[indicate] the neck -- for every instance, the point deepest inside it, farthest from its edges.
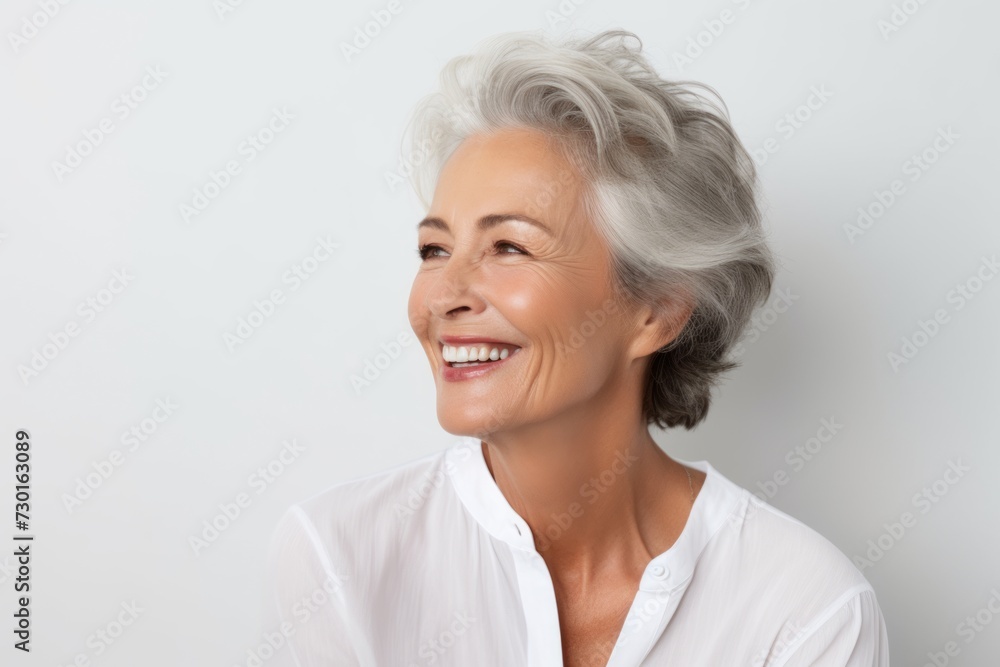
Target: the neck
(593, 486)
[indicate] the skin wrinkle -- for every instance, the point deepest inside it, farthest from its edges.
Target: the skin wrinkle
(549, 421)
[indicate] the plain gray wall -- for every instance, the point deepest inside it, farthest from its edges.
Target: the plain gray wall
(881, 93)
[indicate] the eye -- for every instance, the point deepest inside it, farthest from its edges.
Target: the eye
(430, 250)
(502, 246)
(427, 251)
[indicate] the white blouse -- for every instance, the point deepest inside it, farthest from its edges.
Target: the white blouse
(427, 564)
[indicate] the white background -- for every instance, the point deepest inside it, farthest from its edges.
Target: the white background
(324, 175)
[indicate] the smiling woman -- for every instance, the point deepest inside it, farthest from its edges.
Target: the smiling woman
(591, 253)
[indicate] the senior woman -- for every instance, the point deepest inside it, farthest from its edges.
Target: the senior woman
(591, 252)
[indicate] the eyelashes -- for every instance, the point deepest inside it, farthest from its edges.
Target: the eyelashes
(424, 251)
(427, 250)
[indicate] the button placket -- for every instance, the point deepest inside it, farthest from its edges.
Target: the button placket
(541, 614)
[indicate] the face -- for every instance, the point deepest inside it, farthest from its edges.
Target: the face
(514, 276)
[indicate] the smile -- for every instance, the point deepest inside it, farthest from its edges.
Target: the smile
(466, 358)
(458, 356)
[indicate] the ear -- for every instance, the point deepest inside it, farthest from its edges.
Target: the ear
(657, 327)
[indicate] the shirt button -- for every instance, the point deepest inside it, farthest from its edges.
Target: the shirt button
(660, 572)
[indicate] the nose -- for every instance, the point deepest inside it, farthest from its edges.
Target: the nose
(455, 290)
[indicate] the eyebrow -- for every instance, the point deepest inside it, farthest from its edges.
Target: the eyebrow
(486, 222)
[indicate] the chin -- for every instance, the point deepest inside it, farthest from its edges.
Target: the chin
(469, 420)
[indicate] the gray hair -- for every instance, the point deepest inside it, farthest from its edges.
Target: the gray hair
(669, 185)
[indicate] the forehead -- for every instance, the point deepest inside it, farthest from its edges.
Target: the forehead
(510, 168)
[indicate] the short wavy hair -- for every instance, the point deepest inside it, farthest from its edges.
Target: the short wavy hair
(668, 184)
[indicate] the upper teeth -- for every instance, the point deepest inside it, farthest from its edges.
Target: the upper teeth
(465, 353)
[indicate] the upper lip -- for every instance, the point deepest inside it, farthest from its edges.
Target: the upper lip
(469, 340)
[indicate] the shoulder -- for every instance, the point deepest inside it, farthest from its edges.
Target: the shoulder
(800, 554)
(365, 517)
(387, 495)
(815, 599)
(765, 547)
(352, 529)
(327, 554)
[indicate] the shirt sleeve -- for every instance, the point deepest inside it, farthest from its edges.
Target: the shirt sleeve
(310, 613)
(850, 633)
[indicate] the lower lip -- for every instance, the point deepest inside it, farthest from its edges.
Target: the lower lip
(452, 374)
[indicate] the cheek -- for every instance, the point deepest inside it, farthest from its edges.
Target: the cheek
(548, 309)
(536, 304)
(416, 308)
(566, 322)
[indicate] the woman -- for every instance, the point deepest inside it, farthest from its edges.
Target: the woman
(591, 253)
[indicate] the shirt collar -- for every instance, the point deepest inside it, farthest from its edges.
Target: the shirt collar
(715, 504)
